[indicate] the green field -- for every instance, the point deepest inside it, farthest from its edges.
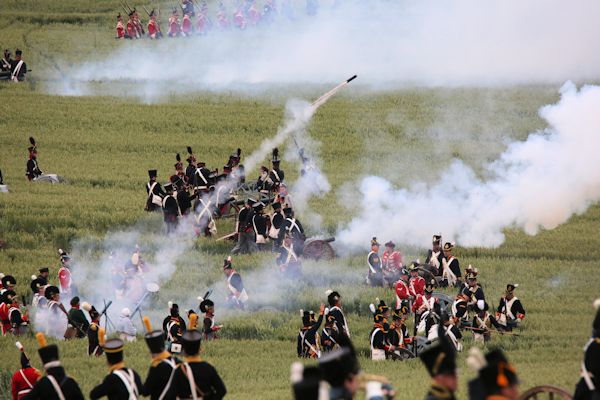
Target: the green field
(104, 145)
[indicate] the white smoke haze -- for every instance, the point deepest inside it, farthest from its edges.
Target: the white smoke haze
(387, 43)
(535, 184)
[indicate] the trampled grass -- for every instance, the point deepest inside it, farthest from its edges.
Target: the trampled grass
(103, 145)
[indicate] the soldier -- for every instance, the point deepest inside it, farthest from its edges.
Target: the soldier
(174, 329)
(186, 25)
(398, 335)
(155, 192)
(263, 182)
(94, 348)
(162, 369)
(496, 377)
(125, 326)
(330, 334)
(33, 169)
(170, 209)
(131, 28)
(460, 308)
(201, 178)
(276, 175)
(18, 67)
(335, 309)
(375, 275)
(6, 61)
(277, 220)
(154, 29)
(121, 382)
(428, 311)
(209, 328)
(246, 240)
(450, 267)
(588, 387)
(174, 29)
(5, 303)
(391, 261)
(260, 224)
(416, 282)
(202, 23)
(179, 172)
(440, 361)
(120, 28)
(44, 272)
(292, 230)
(435, 255)
(138, 24)
(477, 298)
(237, 293)
(308, 343)
(195, 378)
(56, 323)
(23, 380)
(222, 18)
(8, 283)
(188, 7)
(380, 345)
(37, 288)
(482, 325)
(56, 384)
(64, 273)
(402, 289)
(190, 170)
(452, 332)
(77, 317)
(510, 311)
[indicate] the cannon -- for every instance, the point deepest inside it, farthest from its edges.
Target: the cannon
(318, 249)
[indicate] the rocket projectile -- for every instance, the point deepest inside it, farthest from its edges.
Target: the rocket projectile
(351, 79)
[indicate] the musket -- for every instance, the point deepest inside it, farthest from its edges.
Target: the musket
(125, 6)
(75, 325)
(145, 9)
(479, 330)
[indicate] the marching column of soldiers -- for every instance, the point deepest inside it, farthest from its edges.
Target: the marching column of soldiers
(195, 18)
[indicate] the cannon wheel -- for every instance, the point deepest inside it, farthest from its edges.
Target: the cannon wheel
(318, 250)
(546, 392)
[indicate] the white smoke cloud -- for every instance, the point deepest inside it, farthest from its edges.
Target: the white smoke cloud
(535, 184)
(387, 43)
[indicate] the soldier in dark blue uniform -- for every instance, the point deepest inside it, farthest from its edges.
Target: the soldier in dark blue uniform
(375, 276)
(440, 361)
(121, 382)
(155, 192)
(435, 255)
(162, 369)
(308, 343)
(196, 375)
(276, 175)
(335, 309)
(170, 209)
(56, 384)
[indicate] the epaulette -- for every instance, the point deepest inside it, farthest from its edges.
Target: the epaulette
(93, 326)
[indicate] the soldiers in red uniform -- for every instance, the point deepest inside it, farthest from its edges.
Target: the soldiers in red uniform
(139, 29)
(64, 273)
(186, 25)
(120, 28)
(416, 283)
(174, 28)
(238, 19)
(25, 378)
(202, 23)
(5, 306)
(391, 261)
(153, 27)
(131, 29)
(402, 290)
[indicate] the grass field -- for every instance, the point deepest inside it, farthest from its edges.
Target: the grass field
(103, 145)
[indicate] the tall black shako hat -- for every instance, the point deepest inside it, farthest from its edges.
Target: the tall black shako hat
(36, 284)
(338, 365)
(332, 297)
(498, 373)
(48, 353)
(191, 342)
(596, 323)
(51, 291)
(33, 148)
(227, 263)
(8, 280)
(205, 302)
(275, 160)
(307, 388)
(440, 359)
(155, 340)
(308, 317)
(113, 348)
(436, 239)
(152, 173)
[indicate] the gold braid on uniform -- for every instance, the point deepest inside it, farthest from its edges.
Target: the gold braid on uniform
(117, 366)
(159, 357)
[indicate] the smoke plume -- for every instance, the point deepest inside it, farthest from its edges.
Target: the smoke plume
(535, 184)
(388, 43)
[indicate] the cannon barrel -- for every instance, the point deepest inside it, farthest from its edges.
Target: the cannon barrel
(329, 240)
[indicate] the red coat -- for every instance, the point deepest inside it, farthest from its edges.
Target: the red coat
(186, 25)
(391, 261)
(131, 30)
(120, 30)
(152, 29)
(64, 278)
(402, 292)
(417, 286)
(4, 318)
(173, 26)
(23, 381)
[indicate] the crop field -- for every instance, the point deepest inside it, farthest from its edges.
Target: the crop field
(103, 145)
